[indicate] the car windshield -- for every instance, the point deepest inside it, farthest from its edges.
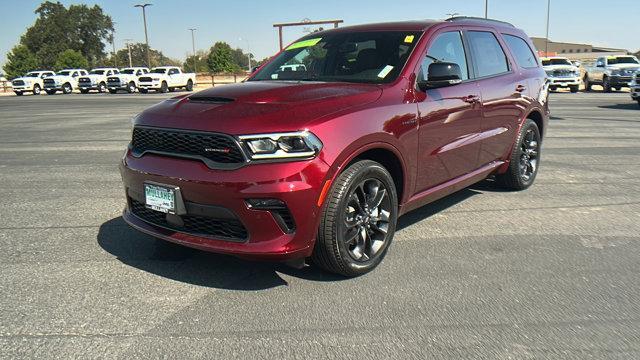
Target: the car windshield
(159, 71)
(549, 62)
(623, 60)
(360, 57)
(97, 72)
(127, 71)
(64, 73)
(32, 74)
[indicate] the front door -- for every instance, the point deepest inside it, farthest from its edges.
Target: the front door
(450, 117)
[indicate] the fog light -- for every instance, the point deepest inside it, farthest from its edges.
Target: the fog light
(265, 204)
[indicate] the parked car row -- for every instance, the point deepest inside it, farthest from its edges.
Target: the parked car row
(161, 79)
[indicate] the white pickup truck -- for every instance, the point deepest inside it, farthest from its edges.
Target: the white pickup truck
(31, 82)
(127, 79)
(65, 80)
(166, 78)
(612, 72)
(96, 80)
(561, 73)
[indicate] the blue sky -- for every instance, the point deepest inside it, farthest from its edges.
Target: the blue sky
(583, 21)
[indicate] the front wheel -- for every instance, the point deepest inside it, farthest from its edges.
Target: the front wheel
(606, 85)
(189, 86)
(587, 84)
(36, 89)
(102, 87)
(67, 89)
(525, 159)
(164, 88)
(131, 88)
(358, 220)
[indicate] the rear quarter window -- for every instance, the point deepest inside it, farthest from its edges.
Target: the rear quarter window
(521, 51)
(488, 57)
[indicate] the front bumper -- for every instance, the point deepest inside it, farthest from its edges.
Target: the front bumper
(620, 80)
(297, 184)
(564, 81)
(53, 87)
(152, 85)
(21, 88)
(88, 86)
(116, 86)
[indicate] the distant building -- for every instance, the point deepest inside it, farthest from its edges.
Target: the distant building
(573, 50)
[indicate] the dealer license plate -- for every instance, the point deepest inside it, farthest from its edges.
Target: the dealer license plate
(160, 198)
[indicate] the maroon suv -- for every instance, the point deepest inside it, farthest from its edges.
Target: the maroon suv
(320, 150)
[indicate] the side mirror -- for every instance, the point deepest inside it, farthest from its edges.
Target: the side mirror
(441, 74)
(600, 64)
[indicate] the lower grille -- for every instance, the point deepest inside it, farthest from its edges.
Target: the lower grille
(231, 229)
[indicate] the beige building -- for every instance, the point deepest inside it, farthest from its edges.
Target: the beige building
(573, 50)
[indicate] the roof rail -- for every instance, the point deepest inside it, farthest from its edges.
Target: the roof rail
(472, 18)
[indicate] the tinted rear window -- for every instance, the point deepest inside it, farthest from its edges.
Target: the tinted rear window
(521, 51)
(488, 56)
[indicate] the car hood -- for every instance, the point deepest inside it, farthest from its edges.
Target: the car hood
(258, 107)
(560, 67)
(58, 77)
(625, 66)
(93, 77)
(26, 79)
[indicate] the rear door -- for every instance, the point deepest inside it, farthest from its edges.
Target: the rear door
(502, 88)
(449, 117)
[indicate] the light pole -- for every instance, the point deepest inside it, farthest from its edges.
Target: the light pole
(248, 52)
(486, 9)
(546, 40)
(146, 38)
(113, 45)
(129, 50)
(193, 46)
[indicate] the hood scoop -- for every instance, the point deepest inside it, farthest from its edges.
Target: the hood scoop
(210, 99)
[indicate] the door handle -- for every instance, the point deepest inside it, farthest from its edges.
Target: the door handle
(471, 99)
(521, 88)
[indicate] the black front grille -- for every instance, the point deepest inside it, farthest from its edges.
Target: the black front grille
(144, 79)
(562, 73)
(49, 81)
(84, 80)
(113, 80)
(217, 148)
(18, 83)
(196, 225)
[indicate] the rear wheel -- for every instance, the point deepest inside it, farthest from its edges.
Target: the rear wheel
(587, 84)
(189, 86)
(144, 90)
(525, 159)
(102, 87)
(67, 89)
(131, 88)
(164, 88)
(606, 85)
(358, 220)
(36, 89)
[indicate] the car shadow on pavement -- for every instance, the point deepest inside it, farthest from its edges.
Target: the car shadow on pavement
(435, 207)
(196, 267)
(626, 106)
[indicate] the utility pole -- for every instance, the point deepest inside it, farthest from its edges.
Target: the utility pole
(113, 45)
(546, 39)
(486, 9)
(146, 38)
(129, 50)
(193, 46)
(248, 52)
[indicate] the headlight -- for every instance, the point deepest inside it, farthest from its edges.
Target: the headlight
(301, 144)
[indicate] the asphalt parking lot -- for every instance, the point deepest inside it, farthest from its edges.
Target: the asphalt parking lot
(551, 272)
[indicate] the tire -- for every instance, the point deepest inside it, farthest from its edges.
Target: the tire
(344, 216)
(131, 88)
(587, 84)
(606, 85)
(102, 87)
(67, 89)
(83, 91)
(189, 86)
(18, 93)
(113, 91)
(36, 89)
(525, 159)
(164, 88)
(574, 89)
(143, 90)
(172, 89)
(638, 102)
(51, 92)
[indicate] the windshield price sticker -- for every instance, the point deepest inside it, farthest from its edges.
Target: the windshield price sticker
(304, 43)
(383, 74)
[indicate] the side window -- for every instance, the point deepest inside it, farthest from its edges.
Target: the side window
(521, 51)
(138, 73)
(116, 72)
(447, 47)
(75, 74)
(488, 56)
(173, 71)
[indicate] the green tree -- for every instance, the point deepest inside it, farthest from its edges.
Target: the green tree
(80, 27)
(20, 61)
(200, 60)
(139, 57)
(71, 59)
(241, 58)
(220, 59)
